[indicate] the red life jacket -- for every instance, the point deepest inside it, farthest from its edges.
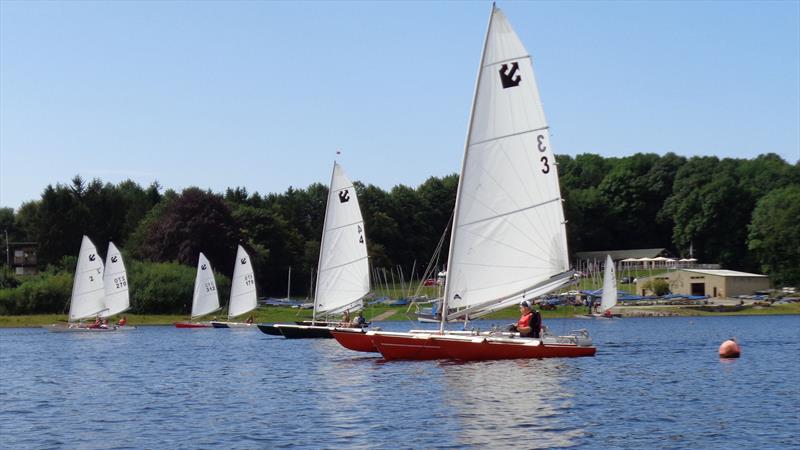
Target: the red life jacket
(525, 321)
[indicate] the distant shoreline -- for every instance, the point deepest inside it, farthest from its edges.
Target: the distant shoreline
(281, 314)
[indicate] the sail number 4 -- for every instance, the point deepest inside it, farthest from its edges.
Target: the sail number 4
(360, 235)
(545, 165)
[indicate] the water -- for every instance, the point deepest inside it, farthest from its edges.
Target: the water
(655, 383)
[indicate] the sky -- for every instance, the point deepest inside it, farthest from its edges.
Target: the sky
(263, 94)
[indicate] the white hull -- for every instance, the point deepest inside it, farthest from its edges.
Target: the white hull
(59, 328)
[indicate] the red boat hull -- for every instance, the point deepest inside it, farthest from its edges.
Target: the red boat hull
(408, 346)
(192, 325)
(487, 349)
(357, 341)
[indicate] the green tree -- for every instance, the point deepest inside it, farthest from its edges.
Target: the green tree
(774, 234)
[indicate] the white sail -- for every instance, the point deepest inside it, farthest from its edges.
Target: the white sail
(343, 274)
(509, 239)
(115, 283)
(243, 286)
(609, 298)
(87, 288)
(205, 299)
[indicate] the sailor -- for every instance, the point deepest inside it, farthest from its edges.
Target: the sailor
(529, 323)
(249, 319)
(346, 319)
(360, 320)
(123, 321)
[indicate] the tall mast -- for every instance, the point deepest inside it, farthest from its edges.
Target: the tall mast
(460, 179)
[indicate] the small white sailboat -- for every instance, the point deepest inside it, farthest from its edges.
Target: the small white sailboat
(88, 293)
(243, 293)
(343, 274)
(115, 285)
(608, 298)
(205, 299)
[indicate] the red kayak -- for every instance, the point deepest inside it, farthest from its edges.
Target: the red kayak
(485, 348)
(193, 325)
(354, 339)
(413, 346)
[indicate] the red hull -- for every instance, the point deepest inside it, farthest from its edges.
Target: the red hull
(355, 340)
(408, 346)
(192, 325)
(484, 350)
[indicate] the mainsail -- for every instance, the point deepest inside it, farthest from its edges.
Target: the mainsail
(115, 283)
(205, 299)
(509, 239)
(243, 286)
(609, 298)
(343, 275)
(87, 288)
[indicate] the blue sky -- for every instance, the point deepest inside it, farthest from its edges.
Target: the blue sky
(261, 94)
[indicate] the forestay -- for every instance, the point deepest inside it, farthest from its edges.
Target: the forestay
(609, 298)
(343, 275)
(115, 283)
(205, 299)
(509, 238)
(243, 286)
(87, 288)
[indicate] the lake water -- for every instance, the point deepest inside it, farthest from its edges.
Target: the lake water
(655, 383)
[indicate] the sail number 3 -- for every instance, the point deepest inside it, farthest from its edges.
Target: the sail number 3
(545, 165)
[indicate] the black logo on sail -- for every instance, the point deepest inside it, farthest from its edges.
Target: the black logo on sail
(91, 257)
(203, 267)
(344, 196)
(507, 76)
(243, 260)
(114, 259)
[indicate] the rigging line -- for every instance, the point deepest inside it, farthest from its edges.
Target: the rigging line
(344, 226)
(507, 61)
(343, 264)
(519, 133)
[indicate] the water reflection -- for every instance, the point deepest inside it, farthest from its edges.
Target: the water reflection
(511, 403)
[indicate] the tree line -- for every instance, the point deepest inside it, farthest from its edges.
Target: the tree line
(740, 213)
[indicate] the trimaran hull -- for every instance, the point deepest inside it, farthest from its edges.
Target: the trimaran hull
(353, 339)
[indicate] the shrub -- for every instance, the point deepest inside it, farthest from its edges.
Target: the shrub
(658, 287)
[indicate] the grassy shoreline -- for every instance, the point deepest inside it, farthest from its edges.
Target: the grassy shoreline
(282, 314)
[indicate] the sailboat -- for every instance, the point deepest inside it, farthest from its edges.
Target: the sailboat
(608, 298)
(115, 285)
(343, 269)
(243, 292)
(509, 237)
(88, 294)
(205, 299)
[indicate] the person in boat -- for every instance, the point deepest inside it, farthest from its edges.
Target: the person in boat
(529, 323)
(360, 320)
(346, 319)
(123, 321)
(104, 324)
(249, 319)
(96, 323)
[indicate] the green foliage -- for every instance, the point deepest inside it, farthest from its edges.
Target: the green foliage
(774, 234)
(42, 294)
(643, 200)
(7, 278)
(657, 286)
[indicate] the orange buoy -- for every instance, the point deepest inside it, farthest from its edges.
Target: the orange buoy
(729, 349)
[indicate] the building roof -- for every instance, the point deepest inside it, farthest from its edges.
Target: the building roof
(617, 255)
(725, 273)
